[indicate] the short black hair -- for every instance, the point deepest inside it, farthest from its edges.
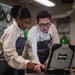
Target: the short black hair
(43, 14)
(14, 10)
(24, 13)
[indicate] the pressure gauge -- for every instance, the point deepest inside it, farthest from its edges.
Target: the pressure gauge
(2, 15)
(8, 17)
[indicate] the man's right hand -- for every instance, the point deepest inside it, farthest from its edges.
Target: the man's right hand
(30, 66)
(38, 68)
(35, 67)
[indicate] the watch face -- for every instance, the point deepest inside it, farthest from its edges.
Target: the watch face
(2, 15)
(8, 17)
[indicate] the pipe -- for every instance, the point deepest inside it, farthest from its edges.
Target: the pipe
(66, 13)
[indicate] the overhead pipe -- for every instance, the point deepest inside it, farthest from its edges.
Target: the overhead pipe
(66, 14)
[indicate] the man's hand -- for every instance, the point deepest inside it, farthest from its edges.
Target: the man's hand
(35, 67)
(38, 67)
(46, 63)
(30, 66)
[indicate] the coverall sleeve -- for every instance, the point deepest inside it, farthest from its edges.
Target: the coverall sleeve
(10, 54)
(32, 42)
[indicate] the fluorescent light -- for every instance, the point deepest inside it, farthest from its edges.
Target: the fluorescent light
(45, 3)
